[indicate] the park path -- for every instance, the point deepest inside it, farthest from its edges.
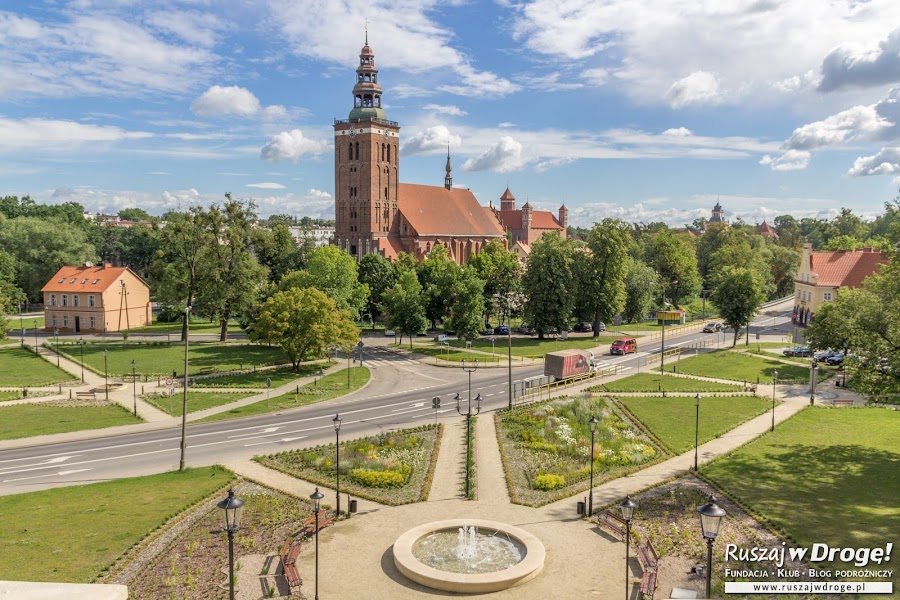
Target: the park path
(449, 472)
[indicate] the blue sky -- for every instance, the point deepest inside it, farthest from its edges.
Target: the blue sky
(640, 109)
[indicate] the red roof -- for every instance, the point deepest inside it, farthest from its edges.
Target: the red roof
(95, 278)
(766, 230)
(540, 219)
(433, 210)
(844, 268)
(391, 246)
(507, 195)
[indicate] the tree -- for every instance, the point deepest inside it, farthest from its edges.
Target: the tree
(788, 230)
(739, 253)
(230, 277)
(135, 214)
(548, 284)
(467, 305)
(602, 288)
(336, 273)
(501, 272)
(842, 242)
(304, 323)
(783, 262)
(674, 259)
(278, 251)
(404, 306)
(716, 236)
(641, 284)
(10, 296)
(138, 247)
(737, 294)
(376, 272)
(406, 262)
(438, 275)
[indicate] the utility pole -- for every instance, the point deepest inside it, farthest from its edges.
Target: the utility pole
(187, 312)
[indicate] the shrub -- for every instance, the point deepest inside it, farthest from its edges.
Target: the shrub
(548, 482)
(377, 479)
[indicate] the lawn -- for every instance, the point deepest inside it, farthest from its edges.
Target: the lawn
(831, 476)
(326, 388)
(728, 364)
(392, 468)
(72, 534)
(160, 358)
(27, 420)
(5, 396)
(196, 326)
(257, 379)
(453, 355)
(546, 448)
(536, 347)
(28, 322)
(196, 401)
(672, 419)
(23, 368)
(657, 382)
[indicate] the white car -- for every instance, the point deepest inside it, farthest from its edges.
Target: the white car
(390, 333)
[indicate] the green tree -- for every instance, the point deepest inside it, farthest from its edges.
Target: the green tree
(304, 322)
(737, 294)
(783, 262)
(406, 262)
(788, 230)
(716, 236)
(602, 288)
(135, 214)
(336, 273)
(548, 284)
(278, 251)
(641, 284)
(739, 253)
(674, 259)
(502, 275)
(138, 247)
(404, 306)
(376, 272)
(439, 274)
(842, 242)
(467, 305)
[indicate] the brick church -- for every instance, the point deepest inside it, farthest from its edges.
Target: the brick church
(375, 213)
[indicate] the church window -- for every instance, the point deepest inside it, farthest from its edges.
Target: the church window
(357, 150)
(374, 77)
(359, 77)
(389, 152)
(368, 77)
(378, 101)
(382, 152)
(385, 193)
(357, 102)
(350, 152)
(353, 249)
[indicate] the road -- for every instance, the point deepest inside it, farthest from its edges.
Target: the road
(404, 400)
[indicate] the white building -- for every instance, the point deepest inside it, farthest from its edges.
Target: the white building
(320, 235)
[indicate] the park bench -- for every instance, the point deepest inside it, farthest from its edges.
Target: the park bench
(648, 556)
(91, 395)
(612, 522)
(289, 554)
(648, 583)
(842, 403)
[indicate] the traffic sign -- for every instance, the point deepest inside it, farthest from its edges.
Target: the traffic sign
(170, 382)
(360, 344)
(435, 403)
(268, 382)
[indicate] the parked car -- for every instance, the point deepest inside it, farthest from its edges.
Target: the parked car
(823, 355)
(712, 327)
(835, 359)
(583, 326)
(389, 333)
(601, 326)
(501, 330)
(797, 351)
(623, 346)
(525, 328)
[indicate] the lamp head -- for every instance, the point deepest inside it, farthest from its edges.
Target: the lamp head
(593, 424)
(775, 374)
(697, 400)
(316, 497)
(337, 422)
(231, 507)
(711, 516)
(627, 507)
(478, 402)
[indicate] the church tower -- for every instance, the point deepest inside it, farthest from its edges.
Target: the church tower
(366, 166)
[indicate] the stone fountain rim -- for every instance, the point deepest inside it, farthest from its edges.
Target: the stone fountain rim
(414, 569)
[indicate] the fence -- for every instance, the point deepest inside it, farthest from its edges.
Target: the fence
(527, 391)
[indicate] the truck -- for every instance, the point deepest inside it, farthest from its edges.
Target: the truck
(565, 364)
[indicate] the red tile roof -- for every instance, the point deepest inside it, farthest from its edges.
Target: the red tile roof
(95, 278)
(507, 195)
(433, 210)
(845, 268)
(391, 246)
(540, 219)
(766, 230)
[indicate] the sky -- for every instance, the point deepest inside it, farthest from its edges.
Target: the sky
(645, 110)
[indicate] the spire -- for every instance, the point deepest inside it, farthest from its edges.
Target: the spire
(507, 200)
(448, 178)
(367, 92)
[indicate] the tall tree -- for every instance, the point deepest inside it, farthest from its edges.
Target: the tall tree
(641, 284)
(278, 251)
(376, 272)
(336, 273)
(502, 275)
(608, 243)
(439, 274)
(716, 236)
(737, 293)
(739, 253)
(135, 214)
(788, 231)
(674, 259)
(304, 322)
(548, 284)
(467, 305)
(404, 306)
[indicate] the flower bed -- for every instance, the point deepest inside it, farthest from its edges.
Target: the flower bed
(546, 448)
(392, 468)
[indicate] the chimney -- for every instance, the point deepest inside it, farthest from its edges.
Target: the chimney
(106, 264)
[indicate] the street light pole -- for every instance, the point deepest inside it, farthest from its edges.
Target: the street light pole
(187, 335)
(316, 497)
(627, 507)
(337, 459)
(36, 349)
(56, 333)
(593, 425)
(134, 383)
(469, 414)
(662, 354)
(232, 509)
(696, 429)
(812, 380)
(509, 351)
(710, 520)
(81, 344)
(774, 382)
(105, 375)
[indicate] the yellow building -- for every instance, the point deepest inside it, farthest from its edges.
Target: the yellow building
(821, 274)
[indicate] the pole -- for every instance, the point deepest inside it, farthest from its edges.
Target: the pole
(81, 343)
(627, 543)
(348, 370)
(337, 470)
(509, 353)
(231, 564)
(774, 380)
(105, 375)
(709, 543)
(56, 333)
(696, 430)
(35, 337)
(22, 327)
(591, 493)
(468, 440)
(317, 553)
(187, 312)
(812, 380)
(134, 383)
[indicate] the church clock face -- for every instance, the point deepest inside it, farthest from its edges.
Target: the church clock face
(386, 134)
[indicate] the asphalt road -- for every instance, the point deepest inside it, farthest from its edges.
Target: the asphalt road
(403, 399)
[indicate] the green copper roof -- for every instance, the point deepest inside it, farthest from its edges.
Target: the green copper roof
(363, 113)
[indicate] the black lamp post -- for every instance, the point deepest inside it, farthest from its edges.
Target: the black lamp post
(316, 497)
(81, 345)
(627, 507)
(711, 516)
(36, 349)
(105, 374)
(337, 459)
(469, 414)
(231, 507)
(56, 334)
(662, 355)
(509, 350)
(187, 335)
(696, 429)
(774, 382)
(593, 425)
(812, 380)
(134, 383)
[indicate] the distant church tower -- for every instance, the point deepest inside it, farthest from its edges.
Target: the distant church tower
(366, 166)
(718, 215)
(448, 178)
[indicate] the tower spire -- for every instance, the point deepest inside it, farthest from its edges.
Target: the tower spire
(367, 92)
(448, 178)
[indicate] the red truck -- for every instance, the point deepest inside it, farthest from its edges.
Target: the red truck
(564, 364)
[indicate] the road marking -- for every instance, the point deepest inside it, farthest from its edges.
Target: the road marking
(284, 440)
(59, 459)
(61, 473)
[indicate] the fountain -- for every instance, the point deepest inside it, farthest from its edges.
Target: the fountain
(468, 555)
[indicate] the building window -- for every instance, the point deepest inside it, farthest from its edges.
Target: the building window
(53, 321)
(74, 299)
(357, 150)
(73, 280)
(95, 282)
(65, 299)
(84, 281)
(52, 299)
(92, 322)
(350, 154)
(91, 301)
(65, 320)
(827, 296)
(62, 280)
(389, 152)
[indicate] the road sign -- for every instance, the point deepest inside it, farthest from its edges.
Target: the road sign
(360, 344)
(435, 403)
(170, 382)
(268, 382)
(442, 337)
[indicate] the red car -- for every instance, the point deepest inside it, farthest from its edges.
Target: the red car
(623, 346)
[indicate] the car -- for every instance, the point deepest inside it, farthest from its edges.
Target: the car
(601, 326)
(390, 333)
(835, 359)
(488, 329)
(712, 327)
(583, 326)
(797, 351)
(501, 330)
(823, 355)
(623, 346)
(525, 328)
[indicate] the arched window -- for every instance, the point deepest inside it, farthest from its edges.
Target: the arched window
(385, 192)
(357, 102)
(382, 152)
(350, 151)
(389, 153)
(378, 101)
(357, 150)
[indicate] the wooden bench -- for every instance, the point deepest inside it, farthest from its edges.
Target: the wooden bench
(647, 556)
(842, 402)
(91, 395)
(310, 529)
(612, 522)
(289, 554)
(648, 583)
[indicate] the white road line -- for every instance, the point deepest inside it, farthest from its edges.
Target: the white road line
(283, 440)
(61, 473)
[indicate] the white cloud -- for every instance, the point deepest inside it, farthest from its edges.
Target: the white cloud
(202, 29)
(700, 87)
(596, 76)
(862, 66)
(219, 101)
(56, 135)
(502, 157)
(790, 160)
(268, 185)
(290, 145)
(552, 163)
(678, 132)
(274, 112)
(446, 109)
(431, 139)
(885, 162)
(506, 124)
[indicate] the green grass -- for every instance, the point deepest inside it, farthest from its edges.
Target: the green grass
(21, 367)
(672, 420)
(5, 396)
(452, 355)
(830, 476)
(326, 388)
(27, 321)
(534, 346)
(196, 401)
(726, 364)
(258, 379)
(162, 358)
(653, 382)
(72, 534)
(196, 326)
(27, 420)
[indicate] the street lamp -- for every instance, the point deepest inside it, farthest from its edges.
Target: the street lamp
(105, 375)
(36, 349)
(593, 425)
(231, 508)
(134, 383)
(316, 497)
(56, 333)
(509, 350)
(711, 516)
(469, 414)
(187, 335)
(337, 458)
(696, 429)
(81, 344)
(812, 379)
(774, 382)
(470, 369)
(627, 507)
(662, 355)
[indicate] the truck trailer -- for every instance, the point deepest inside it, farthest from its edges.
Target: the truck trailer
(565, 364)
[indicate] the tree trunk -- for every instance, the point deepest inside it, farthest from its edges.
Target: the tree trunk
(223, 325)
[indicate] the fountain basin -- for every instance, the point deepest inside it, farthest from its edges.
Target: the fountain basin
(529, 566)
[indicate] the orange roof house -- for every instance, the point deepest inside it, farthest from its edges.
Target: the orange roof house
(95, 298)
(526, 224)
(766, 230)
(822, 274)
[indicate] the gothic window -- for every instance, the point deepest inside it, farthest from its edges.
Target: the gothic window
(385, 193)
(359, 77)
(389, 152)
(357, 150)
(368, 77)
(350, 151)
(374, 77)
(382, 152)
(353, 249)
